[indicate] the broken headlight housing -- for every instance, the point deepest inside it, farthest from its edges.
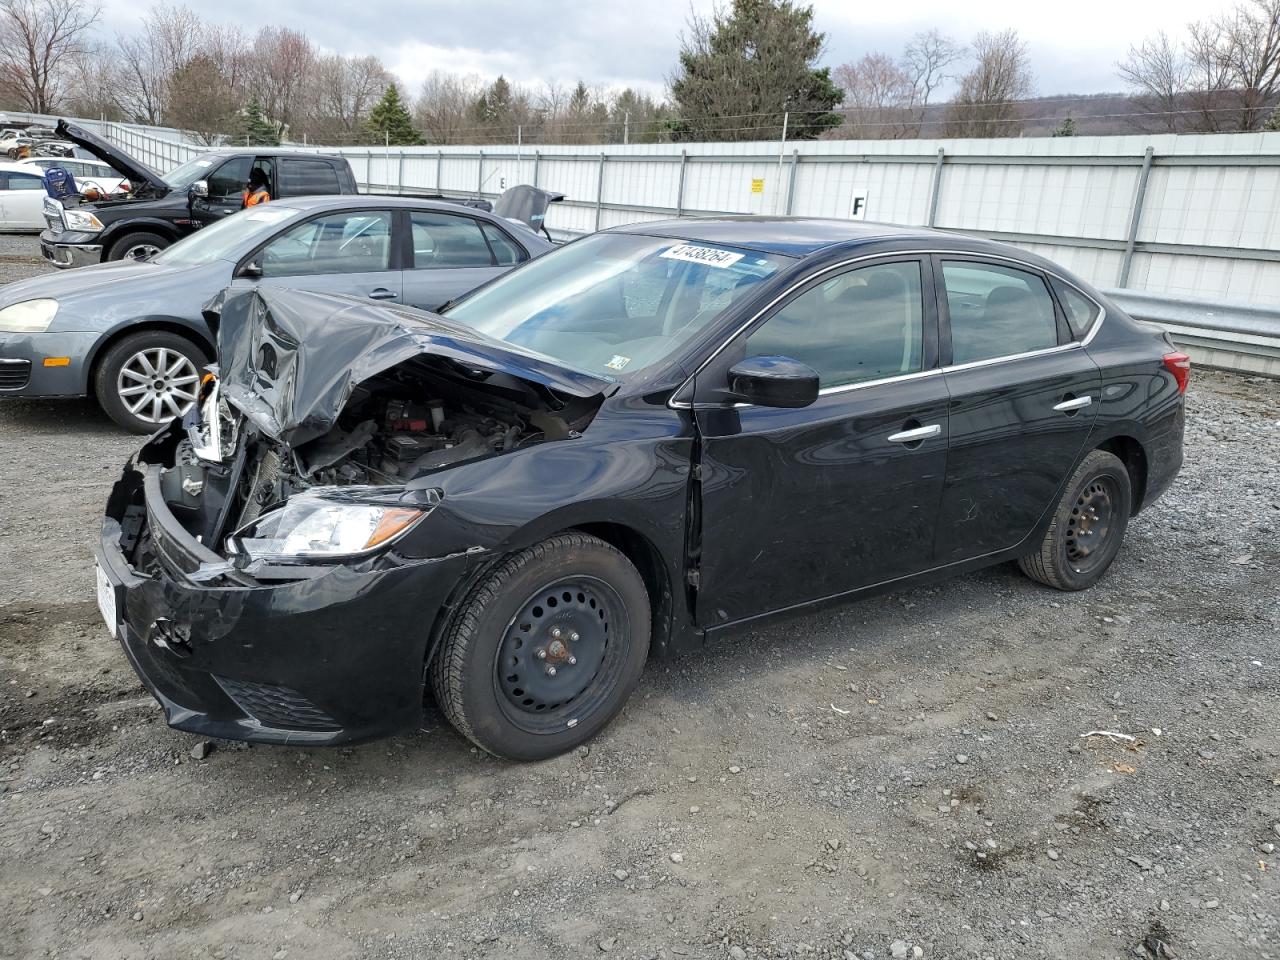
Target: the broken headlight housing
(325, 525)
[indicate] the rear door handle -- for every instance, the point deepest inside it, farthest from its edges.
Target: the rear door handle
(1076, 403)
(917, 434)
(381, 293)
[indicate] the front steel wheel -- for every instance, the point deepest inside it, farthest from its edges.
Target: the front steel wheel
(545, 649)
(1088, 526)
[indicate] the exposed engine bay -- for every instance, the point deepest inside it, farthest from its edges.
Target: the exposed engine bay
(404, 424)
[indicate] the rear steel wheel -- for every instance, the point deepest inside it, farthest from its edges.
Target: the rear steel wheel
(1088, 526)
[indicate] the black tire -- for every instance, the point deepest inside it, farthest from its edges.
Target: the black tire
(108, 378)
(1088, 526)
(513, 613)
(132, 244)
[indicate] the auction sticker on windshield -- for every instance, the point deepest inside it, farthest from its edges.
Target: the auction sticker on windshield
(707, 256)
(106, 599)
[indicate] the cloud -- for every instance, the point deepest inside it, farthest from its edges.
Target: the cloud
(613, 45)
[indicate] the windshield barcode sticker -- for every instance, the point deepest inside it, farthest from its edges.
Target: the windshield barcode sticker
(707, 256)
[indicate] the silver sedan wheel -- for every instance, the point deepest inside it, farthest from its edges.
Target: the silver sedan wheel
(157, 384)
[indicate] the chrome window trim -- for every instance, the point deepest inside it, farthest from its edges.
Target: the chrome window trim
(991, 361)
(687, 405)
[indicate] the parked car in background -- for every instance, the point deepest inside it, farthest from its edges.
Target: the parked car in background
(22, 197)
(89, 175)
(638, 442)
(132, 333)
(163, 209)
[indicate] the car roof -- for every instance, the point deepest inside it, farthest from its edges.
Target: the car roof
(344, 200)
(14, 166)
(789, 236)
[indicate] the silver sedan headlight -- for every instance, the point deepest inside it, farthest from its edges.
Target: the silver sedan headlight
(29, 316)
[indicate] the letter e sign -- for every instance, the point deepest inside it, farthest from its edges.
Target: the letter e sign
(858, 205)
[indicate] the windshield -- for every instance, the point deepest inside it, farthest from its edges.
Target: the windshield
(223, 240)
(188, 173)
(614, 303)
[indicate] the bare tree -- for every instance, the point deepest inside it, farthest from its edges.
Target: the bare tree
(343, 91)
(443, 108)
(987, 103)
(281, 68)
(879, 97)
(1249, 50)
(1159, 73)
(39, 40)
(927, 59)
(170, 37)
(95, 79)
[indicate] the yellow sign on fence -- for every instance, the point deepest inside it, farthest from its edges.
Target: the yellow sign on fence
(757, 186)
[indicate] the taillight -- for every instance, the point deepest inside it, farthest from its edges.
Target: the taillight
(1179, 364)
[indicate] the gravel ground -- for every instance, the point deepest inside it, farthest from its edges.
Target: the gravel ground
(900, 777)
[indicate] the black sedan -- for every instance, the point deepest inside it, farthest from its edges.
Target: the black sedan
(629, 446)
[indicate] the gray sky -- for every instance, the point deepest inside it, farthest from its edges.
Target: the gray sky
(1073, 46)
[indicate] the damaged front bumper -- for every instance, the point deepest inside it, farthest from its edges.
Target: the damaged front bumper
(333, 655)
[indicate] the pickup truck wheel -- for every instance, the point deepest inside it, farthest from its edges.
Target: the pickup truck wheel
(1088, 526)
(544, 651)
(137, 246)
(148, 378)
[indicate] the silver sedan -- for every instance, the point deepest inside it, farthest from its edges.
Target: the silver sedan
(131, 333)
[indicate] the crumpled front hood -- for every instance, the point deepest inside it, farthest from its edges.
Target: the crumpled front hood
(290, 359)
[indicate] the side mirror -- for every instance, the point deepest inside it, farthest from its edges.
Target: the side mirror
(252, 270)
(198, 190)
(773, 382)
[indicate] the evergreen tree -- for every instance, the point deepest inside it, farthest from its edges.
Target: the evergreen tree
(389, 121)
(255, 129)
(744, 67)
(1273, 122)
(1065, 129)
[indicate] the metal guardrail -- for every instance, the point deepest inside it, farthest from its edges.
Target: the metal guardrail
(1225, 336)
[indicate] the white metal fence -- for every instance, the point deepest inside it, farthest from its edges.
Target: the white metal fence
(1184, 216)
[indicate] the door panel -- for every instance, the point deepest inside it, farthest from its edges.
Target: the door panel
(431, 289)
(803, 504)
(1018, 422)
(348, 252)
(448, 256)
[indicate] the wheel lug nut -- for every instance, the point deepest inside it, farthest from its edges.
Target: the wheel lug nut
(573, 637)
(572, 660)
(551, 671)
(540, 654)
(555, 633)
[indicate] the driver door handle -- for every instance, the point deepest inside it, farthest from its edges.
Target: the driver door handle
(381, 293)
(1075, 403)
(919, 433)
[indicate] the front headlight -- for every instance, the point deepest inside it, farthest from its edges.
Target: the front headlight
(29, 316)
(81, 220)
(324, 526)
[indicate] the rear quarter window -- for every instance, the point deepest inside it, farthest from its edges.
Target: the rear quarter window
(1082, 313)
(301, 178)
